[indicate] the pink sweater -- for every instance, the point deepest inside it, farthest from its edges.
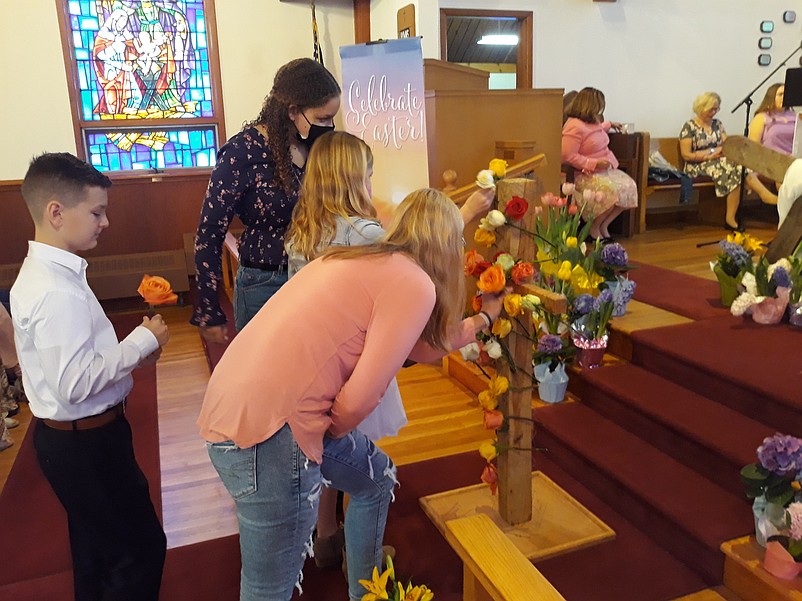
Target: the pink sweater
(584, 144)
(321, 352)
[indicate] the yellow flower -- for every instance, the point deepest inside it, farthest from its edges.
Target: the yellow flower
(498, 167)
(377, 586)
(418, 593)
(571, 242)
(487, 400)
(547, 265)
(501, 327)
(498, 385)
(484, 237)
(564, 273)
(512, 304)
(584, 284)
(487, 450)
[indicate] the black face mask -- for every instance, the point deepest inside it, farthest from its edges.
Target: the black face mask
(315, 131)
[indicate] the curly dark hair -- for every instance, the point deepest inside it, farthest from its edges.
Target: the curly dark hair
(306, 84)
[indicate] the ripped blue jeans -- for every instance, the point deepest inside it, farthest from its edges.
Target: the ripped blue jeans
(276, 490)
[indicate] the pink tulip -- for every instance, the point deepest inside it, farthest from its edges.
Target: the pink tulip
(572, 210)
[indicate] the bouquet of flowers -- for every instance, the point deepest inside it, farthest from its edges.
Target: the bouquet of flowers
(784, 551)
(767, 288)
(732, 262)
(377, 587)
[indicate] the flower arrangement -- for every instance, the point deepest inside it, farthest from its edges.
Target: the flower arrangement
(733, 260)
(767, 288)
(784, 550)
(377, 587)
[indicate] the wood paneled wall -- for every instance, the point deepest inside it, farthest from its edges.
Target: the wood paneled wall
(147, 213)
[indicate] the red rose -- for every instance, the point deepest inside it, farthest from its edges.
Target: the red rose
(493, 419)
(522, 272)
(516, 208)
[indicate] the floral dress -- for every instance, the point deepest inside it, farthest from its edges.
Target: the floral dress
(725, 174)
(242, 185)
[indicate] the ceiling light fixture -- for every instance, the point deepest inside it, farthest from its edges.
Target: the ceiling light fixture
(498, 40)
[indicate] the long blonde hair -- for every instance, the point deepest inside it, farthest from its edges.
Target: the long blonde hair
(334, 185)
(427, 227)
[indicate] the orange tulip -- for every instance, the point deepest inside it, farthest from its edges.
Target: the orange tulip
(157, 291)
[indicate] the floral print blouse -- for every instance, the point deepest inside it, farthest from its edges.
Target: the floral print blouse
(241, 185)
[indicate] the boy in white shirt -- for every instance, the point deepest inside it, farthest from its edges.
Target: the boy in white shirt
(77, 375)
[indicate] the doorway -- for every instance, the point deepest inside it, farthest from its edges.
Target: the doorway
(496, 41)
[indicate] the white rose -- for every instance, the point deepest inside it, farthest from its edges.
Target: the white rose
(506, 261)
(496, 218)
(493, 348)
(486, 179)
(470, 352)
(530, 301)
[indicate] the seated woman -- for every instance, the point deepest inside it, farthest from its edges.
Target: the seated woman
(773, 126)
(585, 146)
(700, 142)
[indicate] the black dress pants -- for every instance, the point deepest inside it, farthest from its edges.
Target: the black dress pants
(118, 545)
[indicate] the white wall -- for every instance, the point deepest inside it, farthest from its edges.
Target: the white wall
(651, 58)
(255, 38)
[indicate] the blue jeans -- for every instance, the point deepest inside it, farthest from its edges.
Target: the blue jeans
(276, 490)
(252, 289)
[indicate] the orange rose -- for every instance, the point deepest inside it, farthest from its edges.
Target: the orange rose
(475, 264)
(492, 279)
(494, 419)
(490, 477)
(476, 303)
(522, 272)
(156, 291)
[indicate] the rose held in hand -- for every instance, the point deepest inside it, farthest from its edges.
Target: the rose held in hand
(156, 291)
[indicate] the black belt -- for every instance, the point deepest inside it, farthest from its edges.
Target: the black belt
(90, 422)
(262, 266)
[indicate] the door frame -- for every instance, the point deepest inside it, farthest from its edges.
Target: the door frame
(523, 62)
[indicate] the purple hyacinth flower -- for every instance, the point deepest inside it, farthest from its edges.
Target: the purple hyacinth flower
(583, 304)
(736, 253)
(605, 296)
(549, 344)
(615, 255)
(780, 278)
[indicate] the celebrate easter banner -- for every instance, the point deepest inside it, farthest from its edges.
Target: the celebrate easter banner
(383, 103)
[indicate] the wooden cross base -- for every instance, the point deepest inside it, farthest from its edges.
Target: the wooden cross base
(559, 523)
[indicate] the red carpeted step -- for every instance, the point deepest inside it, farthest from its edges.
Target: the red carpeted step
(676, 506)
(703, 434)
(752, 368)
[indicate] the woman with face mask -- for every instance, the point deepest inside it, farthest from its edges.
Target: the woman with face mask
(257, 178)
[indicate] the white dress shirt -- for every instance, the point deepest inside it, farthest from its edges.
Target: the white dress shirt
(73, 366)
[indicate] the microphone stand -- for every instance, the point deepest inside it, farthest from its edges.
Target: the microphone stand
(748, 102)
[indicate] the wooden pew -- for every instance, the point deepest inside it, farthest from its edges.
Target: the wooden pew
(493, 567)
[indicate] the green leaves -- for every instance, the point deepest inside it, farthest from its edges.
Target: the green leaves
(759, 481)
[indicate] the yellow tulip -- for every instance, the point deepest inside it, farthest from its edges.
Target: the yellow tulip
(564, 273)
(501, 327)
(547, 265)
(571, 242)
(512, 305)
(488, 400)
(498, 385)
(488, 451)
(584, 283)
(484, 237)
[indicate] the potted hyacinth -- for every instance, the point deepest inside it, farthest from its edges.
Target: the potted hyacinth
(773, 482)
(551, 353)
(590, 318)
(734, 259)
(613, 265)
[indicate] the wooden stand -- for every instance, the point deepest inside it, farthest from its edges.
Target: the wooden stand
(560, 523)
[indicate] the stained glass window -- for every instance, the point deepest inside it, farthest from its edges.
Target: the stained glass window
(143, 60)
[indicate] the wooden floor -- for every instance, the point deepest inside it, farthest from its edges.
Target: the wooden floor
(443, 416)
